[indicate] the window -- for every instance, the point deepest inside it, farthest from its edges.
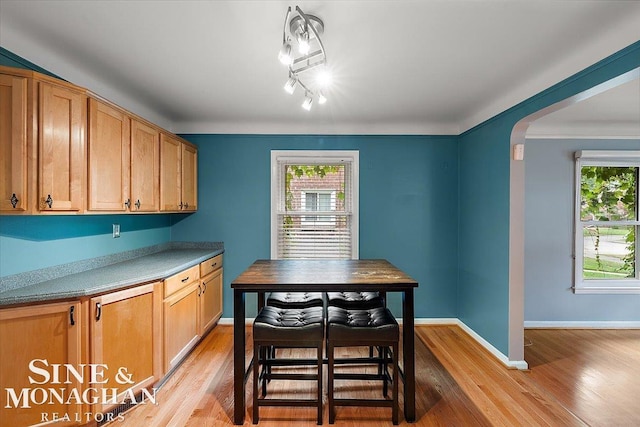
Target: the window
(607, 222)
(314, 204)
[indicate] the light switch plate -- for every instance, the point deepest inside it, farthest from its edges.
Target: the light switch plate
(116, 231)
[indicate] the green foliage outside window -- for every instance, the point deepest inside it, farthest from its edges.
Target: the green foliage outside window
(609, 194)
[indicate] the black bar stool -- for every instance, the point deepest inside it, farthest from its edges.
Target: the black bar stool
(286, 328)
(370, 327)
(355, 300)
(358, 301)
(295, 299)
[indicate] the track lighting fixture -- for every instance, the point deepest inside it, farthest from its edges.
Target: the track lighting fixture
(304, 32)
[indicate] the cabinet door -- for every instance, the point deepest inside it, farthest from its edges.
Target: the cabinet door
(13, 143)
(189, 178)
(125, 335)
(61, 132)
(52, 334)
(210, 300)
(170, 173)
(145, 167)
(181, 313)
(109, 145)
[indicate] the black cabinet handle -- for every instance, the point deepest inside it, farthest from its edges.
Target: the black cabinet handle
(185, 279)
(138, 204)
(49, 201)
(128, 203)
(72, 309)
(204, 287)
(14, 200)
(200, 291)
(98, 311)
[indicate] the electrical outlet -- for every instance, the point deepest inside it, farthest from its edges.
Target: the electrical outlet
(116, 231)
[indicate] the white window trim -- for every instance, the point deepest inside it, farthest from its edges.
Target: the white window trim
(311, 157)
(594, 286)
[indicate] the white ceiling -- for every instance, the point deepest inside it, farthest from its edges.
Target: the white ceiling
(399, 67)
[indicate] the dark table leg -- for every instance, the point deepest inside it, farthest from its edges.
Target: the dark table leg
(238, 357)
(409, 356)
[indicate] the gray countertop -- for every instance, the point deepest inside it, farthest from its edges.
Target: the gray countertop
(167, 261)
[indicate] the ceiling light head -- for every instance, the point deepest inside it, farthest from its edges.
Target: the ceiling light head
(321, 98)
(290, 85)
(303, 43)
(308, 100)
(285, 54)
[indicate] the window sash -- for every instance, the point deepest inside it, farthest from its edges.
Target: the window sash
(605, 158)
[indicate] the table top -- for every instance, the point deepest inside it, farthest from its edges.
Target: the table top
(323, 275)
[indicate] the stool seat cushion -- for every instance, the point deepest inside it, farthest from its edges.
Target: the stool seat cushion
(355, 300)
(289, 324)
(375, 325)
(295, 299)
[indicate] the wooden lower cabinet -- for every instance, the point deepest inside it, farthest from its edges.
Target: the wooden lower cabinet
(181, 329)
(41, 335)
(126, 338)
(192, 306)
(210, 300)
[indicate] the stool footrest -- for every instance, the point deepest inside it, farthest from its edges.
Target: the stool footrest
(364, 402)
(282, 376)
(288, 402)
(289, 362)
(362, 377)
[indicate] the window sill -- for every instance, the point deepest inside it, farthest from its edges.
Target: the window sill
(611, 290)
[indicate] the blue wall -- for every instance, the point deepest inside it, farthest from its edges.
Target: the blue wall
(550, 200)
(408, 205)
(39, 241)
(483, 284)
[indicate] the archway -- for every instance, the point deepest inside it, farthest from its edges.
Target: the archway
(517, 208)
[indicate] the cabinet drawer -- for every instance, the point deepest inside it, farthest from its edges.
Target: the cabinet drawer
(210, 265)
(180, 280)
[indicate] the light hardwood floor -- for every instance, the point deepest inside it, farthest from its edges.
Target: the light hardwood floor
(595, 373)
(458, 383)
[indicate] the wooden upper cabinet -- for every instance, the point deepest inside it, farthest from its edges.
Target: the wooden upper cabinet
(13, 143)
(178, 175)
(51, 333)
(145, 167)
(170, 173)
(65, 150)
(109, 146)
(189, 185)
(61, 148)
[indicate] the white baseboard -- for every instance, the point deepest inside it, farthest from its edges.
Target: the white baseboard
(512, 364)
(606, 324)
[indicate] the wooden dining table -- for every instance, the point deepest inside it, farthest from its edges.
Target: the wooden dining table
(322, 276)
